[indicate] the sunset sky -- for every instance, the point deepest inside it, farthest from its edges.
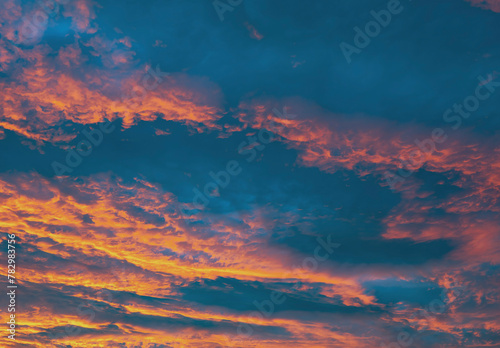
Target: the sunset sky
(251, 173)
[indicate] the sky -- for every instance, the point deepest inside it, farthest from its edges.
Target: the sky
(250, 173)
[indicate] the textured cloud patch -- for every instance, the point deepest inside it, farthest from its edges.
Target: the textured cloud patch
(493, 5)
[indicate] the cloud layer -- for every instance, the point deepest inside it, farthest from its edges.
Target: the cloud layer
(257, 190)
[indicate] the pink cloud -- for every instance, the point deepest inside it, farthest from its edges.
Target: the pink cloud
(493, 5)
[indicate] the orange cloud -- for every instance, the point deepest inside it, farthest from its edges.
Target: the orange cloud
(369, 146)
(51, 89)
(129, 237)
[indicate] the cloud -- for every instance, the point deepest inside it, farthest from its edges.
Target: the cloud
(493, 5)
(89, 80)
(206, 281)
(112, 259)
(371, 147)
